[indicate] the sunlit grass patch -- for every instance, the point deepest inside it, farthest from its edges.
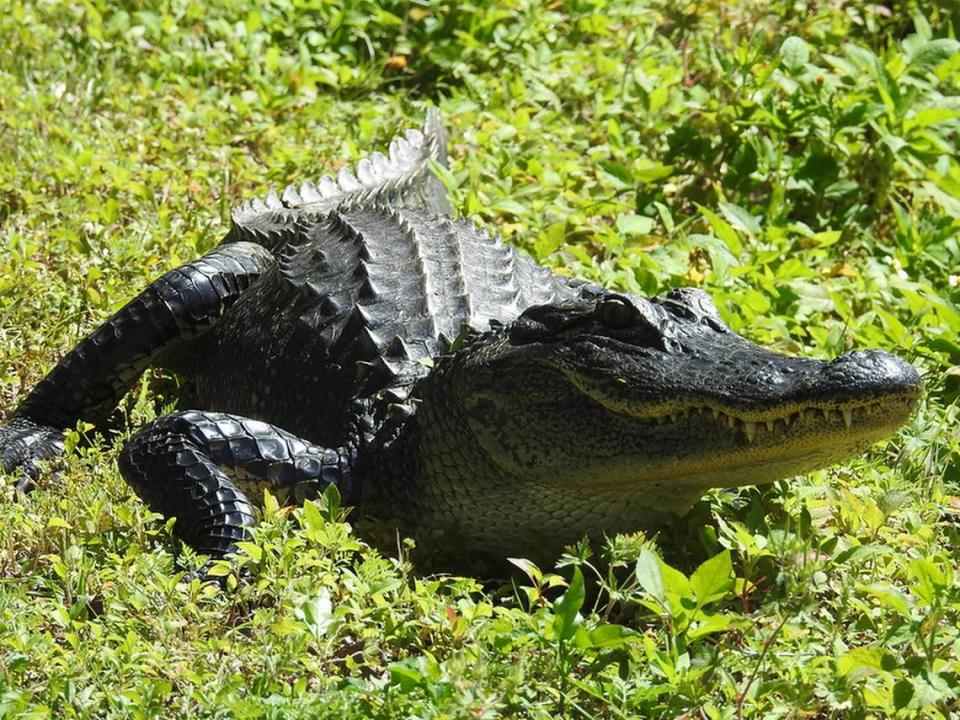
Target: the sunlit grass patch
(799, 164)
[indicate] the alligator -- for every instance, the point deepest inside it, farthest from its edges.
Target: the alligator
(353, 333)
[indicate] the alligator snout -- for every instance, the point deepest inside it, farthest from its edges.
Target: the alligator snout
(864, 372)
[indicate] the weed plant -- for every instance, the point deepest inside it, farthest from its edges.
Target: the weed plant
(797, 159)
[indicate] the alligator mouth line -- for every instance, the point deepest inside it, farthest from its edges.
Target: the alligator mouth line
(884, 410)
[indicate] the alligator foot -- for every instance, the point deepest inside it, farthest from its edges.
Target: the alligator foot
(52, 479)
(199, 467)
(203, 575)
(24, 444)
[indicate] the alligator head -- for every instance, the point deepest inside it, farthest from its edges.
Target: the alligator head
(645, 404)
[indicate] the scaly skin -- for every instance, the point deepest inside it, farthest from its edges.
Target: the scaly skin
(616, 414)
(350, 333)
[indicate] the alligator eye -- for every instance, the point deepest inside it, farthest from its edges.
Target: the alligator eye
(616, 313)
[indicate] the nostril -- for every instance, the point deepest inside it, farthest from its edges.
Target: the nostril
(878, 368)
(857, 356)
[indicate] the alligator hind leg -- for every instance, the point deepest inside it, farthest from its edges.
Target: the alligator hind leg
(90, 381)
(196, 465)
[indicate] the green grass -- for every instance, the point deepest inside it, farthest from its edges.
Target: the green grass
(799, 160)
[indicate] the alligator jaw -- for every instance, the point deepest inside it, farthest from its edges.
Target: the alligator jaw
(584, 419)
(886, 414)
(748, 448)
(766, 417)
(676, 408)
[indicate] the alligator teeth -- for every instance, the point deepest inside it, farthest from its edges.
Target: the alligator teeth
(812, 414)
(750, 429)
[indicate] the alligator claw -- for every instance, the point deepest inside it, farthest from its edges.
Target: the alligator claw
(204, 576)
(25, 485)
(24, 444)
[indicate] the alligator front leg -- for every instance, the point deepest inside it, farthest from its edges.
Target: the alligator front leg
(90, 381)
(195, 466)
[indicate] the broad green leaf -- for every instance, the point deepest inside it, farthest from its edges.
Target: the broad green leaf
(794, 268)
(551, 239)
(652, 172)
(405, 675)
(254, 551)
(713, 579)
(221, 568)
(756, 301)
(567, 608)
(902, 694)
(610, 636)
(929, 580)
(317, 613)
(795, 54)
(529, 568)
(865, 661)
(740, 218)
(867, 60)
(947, 201)
(921, 26)
(931, 116)
(447, 178)
(840, 64)
(666, 217)
(329, 502)
(617, 173)
(634, 224)
(270, 505)
(511, 207)
(827, 237)
(312, 517)
(721, 259)
(710, 624)
(888, 596)
(933, 53)
(723, 230)
(675, 582)
(649, 575)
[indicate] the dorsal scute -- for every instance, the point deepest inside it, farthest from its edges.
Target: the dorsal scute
(402, 178)
(387, 288)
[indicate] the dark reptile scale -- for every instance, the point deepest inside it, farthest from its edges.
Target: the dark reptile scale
(324, 304)
(359, 302)
(223, 463)
(349, 332)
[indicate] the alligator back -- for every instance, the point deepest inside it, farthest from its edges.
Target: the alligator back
(359, 302)
(401, 178)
